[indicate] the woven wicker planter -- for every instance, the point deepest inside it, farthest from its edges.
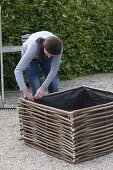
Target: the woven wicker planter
(74, 125)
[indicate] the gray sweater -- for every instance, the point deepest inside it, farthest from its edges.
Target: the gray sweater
(28, 53)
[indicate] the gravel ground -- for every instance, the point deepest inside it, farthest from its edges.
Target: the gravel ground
(15, 155)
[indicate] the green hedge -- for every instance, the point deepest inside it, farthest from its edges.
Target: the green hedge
(85, 26)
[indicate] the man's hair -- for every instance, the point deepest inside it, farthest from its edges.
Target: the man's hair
(53, 45)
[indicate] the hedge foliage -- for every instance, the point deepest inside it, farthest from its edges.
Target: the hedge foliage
(85, 26)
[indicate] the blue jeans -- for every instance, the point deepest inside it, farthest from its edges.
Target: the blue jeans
(33, 74)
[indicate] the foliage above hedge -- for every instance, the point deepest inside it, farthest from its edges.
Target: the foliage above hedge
(85, 26)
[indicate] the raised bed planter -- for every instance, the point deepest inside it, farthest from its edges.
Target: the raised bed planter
(74, 125)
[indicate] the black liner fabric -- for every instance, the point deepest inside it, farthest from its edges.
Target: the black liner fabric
(78, 98)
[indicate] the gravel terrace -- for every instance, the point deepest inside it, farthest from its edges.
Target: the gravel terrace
(15, 155)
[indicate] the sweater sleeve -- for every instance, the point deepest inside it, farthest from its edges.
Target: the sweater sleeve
(27, 57)
(54, 69)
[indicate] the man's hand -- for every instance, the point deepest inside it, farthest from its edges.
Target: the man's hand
(27, 95)
(40, 92)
